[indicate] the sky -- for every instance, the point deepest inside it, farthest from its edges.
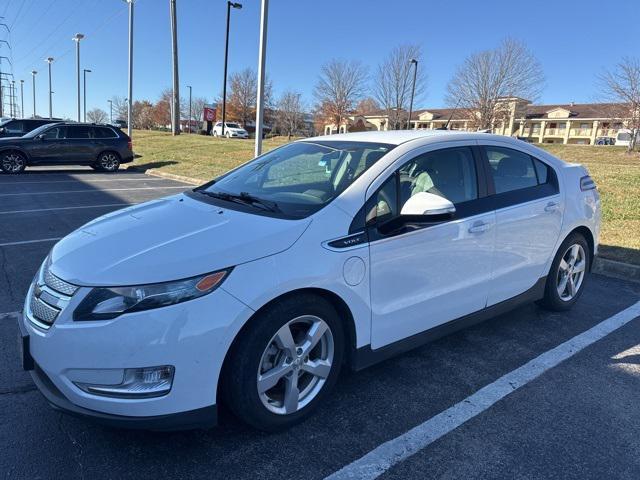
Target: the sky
(574, 40)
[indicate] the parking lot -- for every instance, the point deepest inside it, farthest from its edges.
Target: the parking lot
(577, 419)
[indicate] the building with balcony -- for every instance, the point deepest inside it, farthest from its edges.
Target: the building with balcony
(570, 123)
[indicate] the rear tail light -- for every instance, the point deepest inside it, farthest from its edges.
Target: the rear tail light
(587, 183)
(130, 145)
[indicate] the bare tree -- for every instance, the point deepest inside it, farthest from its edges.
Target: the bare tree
(97, 115)
(622, 85)
(119, 108)
(289, 114)
(367, 106)
(197, 109)
(143, 113)
(241, 103)
(487, 77)
(340, 86)
(394, 82)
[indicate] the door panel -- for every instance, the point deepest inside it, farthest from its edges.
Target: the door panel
(422, 279)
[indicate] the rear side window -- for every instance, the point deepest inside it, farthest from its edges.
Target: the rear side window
(14, 127)
(103, 132)
(79, 132)
(511, 169)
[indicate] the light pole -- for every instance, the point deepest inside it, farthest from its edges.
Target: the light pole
(33, 77)
(110, 111)
(261, 76)
(15, 99)
(189, 87)
(413, 90)
(77, 38)
(22, 98)
(175, 94)
(84, 90)
(226, 57)
(130, 98)
(49, 60)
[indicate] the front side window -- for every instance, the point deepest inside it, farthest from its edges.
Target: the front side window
(14, 127)
(297, 179)
(55, 133)
(449, 173)
(232, 125)
(511, 169)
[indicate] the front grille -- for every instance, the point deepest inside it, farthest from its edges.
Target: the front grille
(43, 312)
(58, 284)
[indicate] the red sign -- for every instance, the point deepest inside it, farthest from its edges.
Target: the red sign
(209, 114)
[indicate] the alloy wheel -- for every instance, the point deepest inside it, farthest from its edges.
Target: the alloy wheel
(295, 365)
(12, 163)
(109, 161)
(571, 272)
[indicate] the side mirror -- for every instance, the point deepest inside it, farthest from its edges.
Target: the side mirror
(2, 129)
(40, 137)
(427, 204)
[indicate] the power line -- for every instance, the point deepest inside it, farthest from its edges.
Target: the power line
(17, 14)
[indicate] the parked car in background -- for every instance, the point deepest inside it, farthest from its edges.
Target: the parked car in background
(256, 288)
(17, 127)
(231, 130)
(605, 141)
(100, 146)
(623, 138)
(120, 124)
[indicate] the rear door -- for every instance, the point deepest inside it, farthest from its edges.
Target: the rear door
(80, 145)
(424, 275)
(529, 212)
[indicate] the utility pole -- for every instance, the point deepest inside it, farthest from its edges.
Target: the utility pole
(413, 90)
(77, 38)
(33, 76)
(189, 87)
(22, 98)
(130, 90)
(14, 98)
(49, 60)
(84, 91)
(261, 75)
(175, 100)
(226, 58)
(110, 111)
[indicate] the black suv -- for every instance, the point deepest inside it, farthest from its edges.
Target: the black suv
(102, 147)
(17, 127)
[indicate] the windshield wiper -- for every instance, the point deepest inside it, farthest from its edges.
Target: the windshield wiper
(244, 198)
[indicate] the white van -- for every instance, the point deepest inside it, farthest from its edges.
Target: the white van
(623, 138)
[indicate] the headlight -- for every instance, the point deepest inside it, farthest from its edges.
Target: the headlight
(104, 303)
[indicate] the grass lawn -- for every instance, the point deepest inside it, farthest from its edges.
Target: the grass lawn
(616, 174)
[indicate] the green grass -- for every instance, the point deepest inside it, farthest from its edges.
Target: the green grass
(616, 173)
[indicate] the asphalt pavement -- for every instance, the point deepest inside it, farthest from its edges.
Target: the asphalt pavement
(579, 419)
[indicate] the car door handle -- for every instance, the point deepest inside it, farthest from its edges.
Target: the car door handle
(479, 227)
(551, 207)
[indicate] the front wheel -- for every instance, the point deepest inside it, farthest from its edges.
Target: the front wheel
(13, 162)
(285, 363)
(215, 134)
(568, 274)
(108, 162)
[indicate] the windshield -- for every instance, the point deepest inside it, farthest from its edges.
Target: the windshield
(37, 131)
(624, 136)
(299, 178)
(232, 125)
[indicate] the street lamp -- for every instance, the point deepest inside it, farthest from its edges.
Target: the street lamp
(189, 87)
(77, 37)
(49, 60)
(413, 90)
(226, 57)
(110, 111)
(33, 76)
(130, 81)
(84, 102)
(22, 98)
(15, 100)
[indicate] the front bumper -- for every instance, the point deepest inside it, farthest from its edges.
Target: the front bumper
(192, 336)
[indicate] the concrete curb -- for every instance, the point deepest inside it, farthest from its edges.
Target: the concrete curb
(170, 176)
(612, 268)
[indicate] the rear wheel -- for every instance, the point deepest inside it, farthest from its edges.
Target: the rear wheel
(568, 274)
(108, 162)
(285, 363)
(12, 162)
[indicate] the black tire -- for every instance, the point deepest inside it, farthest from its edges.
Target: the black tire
(552, 299)
(108, 162)
(215, 134)
(12, 162)
(240, 378)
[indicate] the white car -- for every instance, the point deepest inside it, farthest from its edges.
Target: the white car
(256, 288)
(231, 130)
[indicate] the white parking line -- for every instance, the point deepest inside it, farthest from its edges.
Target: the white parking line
(66, 208)
(382, 458)
(90, 181)
(89, 191)
(27, 242)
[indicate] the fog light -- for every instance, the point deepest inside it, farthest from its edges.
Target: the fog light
(136, 383)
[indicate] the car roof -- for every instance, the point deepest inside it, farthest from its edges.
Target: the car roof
(396, 137)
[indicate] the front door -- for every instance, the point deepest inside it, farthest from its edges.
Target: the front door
(49, 147)
(424, 275)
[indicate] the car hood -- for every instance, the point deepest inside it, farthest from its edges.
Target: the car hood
(168, 239)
